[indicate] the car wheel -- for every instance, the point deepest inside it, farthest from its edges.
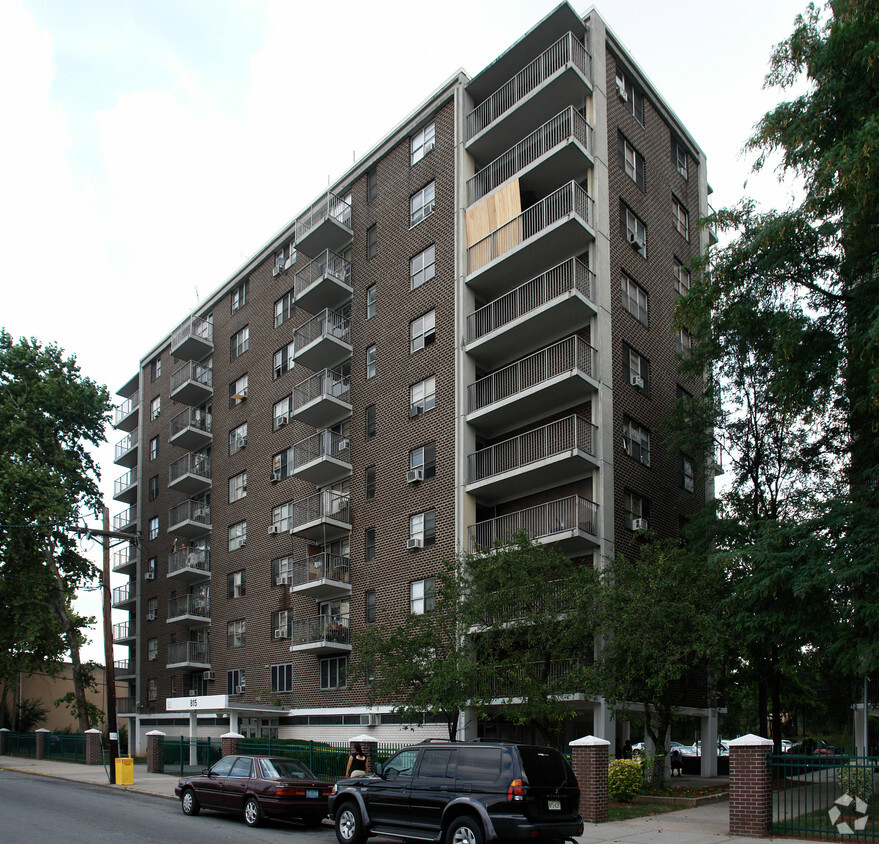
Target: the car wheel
(189, 803)
(252, 812)
(349, 826)
(464, 831)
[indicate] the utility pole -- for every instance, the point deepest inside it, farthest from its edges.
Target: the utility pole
(109, 668)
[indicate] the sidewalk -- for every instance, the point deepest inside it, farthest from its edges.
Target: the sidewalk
(708, 824)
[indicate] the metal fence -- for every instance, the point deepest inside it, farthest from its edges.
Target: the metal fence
(66, 747)
(22, 744)
(183, 756)
(828, 798)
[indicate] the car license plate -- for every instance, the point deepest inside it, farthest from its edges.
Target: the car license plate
(554, 805)
(312, 793)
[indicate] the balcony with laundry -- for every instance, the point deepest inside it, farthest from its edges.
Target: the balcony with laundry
(190, 564)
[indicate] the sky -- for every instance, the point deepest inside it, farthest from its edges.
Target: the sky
(151, 146)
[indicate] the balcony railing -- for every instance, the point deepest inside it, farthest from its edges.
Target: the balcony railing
(329, 206)
(190, 464)
(329, 263)
(194, 372)
(540, 523)
(327, 384)
(327, 323)
(189, 605)
(126, 704)
(566, 50)
(128, 442)
(195, 327)
(123, 594)
(318, 567)
(572, 275)
(122, 483)
(125, 518)
(563, 435)
(319, 445)
(570, 199)
(565, 126)
(123, 630)
(192, 417)
(196, 652)
(559, 677)
(519, 603)
(190, 510)
(123, 666)
(124, 409)
(569, 355)
(321, 628)
(193, 559)
(326, 504)
(124, 557)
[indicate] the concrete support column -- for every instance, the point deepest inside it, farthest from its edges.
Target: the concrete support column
(708, 729)
(861, 732)
(193, 734)
(4, 741)
(230, 743)
(155, 752)
(604, 724)
(93, 752)
(466, 725)
(590, 759)
(41, 744)
(233, 721)
(750, 786)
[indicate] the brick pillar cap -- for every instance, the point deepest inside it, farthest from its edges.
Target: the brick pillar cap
(750, 740)
(363, 738)
(588, 741)
(92, 730)
(44, 730)
(231, 735)
(155, 733)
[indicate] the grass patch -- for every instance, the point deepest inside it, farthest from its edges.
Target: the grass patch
(627, 811)
(817, 825)
(682, 790)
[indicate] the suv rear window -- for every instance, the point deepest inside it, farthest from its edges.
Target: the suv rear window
(544, 766)
(479, 764)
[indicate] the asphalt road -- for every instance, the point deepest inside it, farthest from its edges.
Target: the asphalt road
(38, 809)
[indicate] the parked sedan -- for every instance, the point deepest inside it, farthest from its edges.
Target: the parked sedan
(257, 787)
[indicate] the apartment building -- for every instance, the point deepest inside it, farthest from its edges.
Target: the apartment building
(470, 334)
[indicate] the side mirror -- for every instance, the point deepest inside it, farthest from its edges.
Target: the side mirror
(379, 769)
(206, 773)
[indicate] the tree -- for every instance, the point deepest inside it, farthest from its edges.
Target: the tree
(50, 416)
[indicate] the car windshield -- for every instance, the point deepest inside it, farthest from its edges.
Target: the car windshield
(285, 769)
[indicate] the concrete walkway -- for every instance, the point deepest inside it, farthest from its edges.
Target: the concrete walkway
(708, 824)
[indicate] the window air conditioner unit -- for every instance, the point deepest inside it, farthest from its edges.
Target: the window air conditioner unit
(273, 529)
(281, 421)
(208, 675)
(279, 267)
(688, 484)
(621, 90)
(343, 444)
(639, 524)
(637, 381)
(241, 442)
(150, 575)
(415, 409)
(193, 692)
(281, 633)
(151, 615)
(414, 475)
(636, 241)
(373, 719)
(645, 457)
(414, 542)
(239, 690)
(276, 476)
(283, 580)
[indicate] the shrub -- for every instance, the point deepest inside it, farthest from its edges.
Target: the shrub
(856, 781)
(624, 779)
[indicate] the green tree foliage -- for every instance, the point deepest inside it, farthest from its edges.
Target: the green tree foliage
(50, 417)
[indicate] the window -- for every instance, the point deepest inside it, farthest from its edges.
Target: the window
(282, 465)
(369, 601)
(284, 308)
(153, 488)
(152, 566)
(636, 441)
(631, 97)
(237, 535)
(422, 396)
(371, 294)
(152, 689)
(634, 299)
(154, 527)
(237, 487)
(154, 448)
(636, 369)
(371, 184)
(634, 231)
(235, 681)
(235, 584)
(155, 368)
(281, 677)
(282, 360)
(152, 649)
(631, 161)
(423, 141)
(682, 278)
(679, 157)
(239, 295)
(680, 218)
(280, 623)
(238, 438)
(236, 633)
(423, 526)
(370, 482)
(684, 342)
(155, 407)
(371, 241)
(282, 517)
(422, 596)
(152, 609)
(282, 570)
(369, 545)
(422, 331)
(239, 342)
(422, 204)
(424, 458)
(370, 362)
(370, 421)
(333, 671)
(635, 507)
(687, 477)
(238, 391)
(422, 267)
(281, 413)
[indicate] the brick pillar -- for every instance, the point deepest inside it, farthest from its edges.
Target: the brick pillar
(41, 743)
(155, 752)
(369, 746)
(750, 786)
(93, 753)
(4, 741)
(589, 758)
(230, 743)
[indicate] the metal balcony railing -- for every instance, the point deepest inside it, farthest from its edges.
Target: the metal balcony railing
(126, 704)
(505, 680)
(563, 435)
(568, 200)
(189, 558)
(199, 605)
(124, 556)
(125, 518)
(123, 666)
(122, 410)
(328, 206)
(566, 126)
(192, 417)
(322, 444)
(518, 603)
(572, 275)
(124, 593)
(192, 371)
(538, 522)
(128, 442)
(326, 504)
(318, 567)
(195, 326)
(190, 510)
(328, 263)
(328, 383)
(568, 355)
(321, 628)
(197, 652)
(192, 464)
(567, 50)
(327, 323)
(122, 483)
(123, 630)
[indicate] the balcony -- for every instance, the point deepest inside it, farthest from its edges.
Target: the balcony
(558, 453)
(192, 609)
(557, 152)
(190, 474)
(326, 225)
(320, 576)
(123, 632)
(323, 517)
(126, 705)
(124, 596)
(125, 560)
(126, 520)
(549, 381)
(192, 384)
(569, 523)
(194, 340)
(123, 669)
(324, 342)
(321, 634)
(190, 518)
(323, 458)
(125, 415)
(190, 565)
(323, 399)
(191, 429)
(323, 283)
(125, 452)
(557, 227)
(559, 77)
(189, 655)
(504, 681)
(556, 304)
(125, 488)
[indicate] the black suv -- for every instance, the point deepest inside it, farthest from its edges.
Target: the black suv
(461, 793)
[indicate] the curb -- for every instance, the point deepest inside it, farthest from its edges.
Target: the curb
(686, 802)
